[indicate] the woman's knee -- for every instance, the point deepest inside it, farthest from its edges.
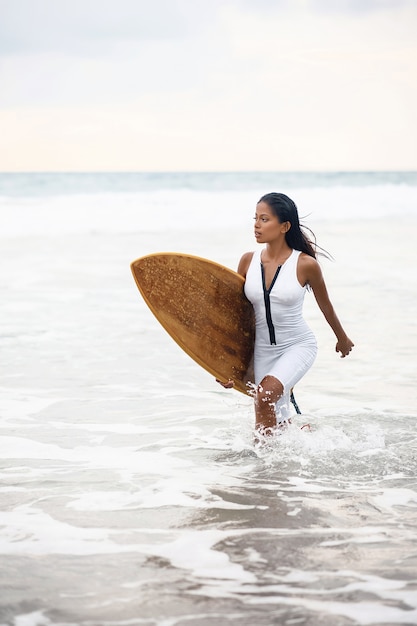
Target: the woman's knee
(269, 390)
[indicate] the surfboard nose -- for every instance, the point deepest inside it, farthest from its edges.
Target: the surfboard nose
(202, 306)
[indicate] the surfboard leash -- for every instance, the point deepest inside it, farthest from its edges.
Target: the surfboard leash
(294, 403)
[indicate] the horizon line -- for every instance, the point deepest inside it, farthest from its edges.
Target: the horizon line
(249, 171)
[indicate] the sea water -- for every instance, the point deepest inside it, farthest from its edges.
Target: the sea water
(131, 489)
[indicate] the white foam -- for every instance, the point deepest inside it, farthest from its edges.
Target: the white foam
(129, 212)
(127, 458)
(395, 497)
(35, 618)
(297, 588)
(18, 404)
(164, 494)
(363, 613)
(28, 530)
(194, 551)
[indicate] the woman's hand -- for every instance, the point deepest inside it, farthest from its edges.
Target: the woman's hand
(229, 385)
(344, 346)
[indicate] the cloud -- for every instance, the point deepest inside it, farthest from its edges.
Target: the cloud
(100, 51)
(330, 7)
(92, 27)
(89, 26)
(358, 6)
(225, 84)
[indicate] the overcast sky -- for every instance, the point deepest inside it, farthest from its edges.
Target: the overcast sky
(210, 85)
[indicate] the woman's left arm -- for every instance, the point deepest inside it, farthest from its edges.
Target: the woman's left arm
(312, 274)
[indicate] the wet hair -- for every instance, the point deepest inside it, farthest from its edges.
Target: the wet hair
(296, 237)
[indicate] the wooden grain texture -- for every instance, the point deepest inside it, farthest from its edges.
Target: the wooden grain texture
(202, 306)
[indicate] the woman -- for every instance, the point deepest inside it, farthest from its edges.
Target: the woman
(276, 281)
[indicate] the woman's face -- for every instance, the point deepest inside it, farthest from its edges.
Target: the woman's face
(267, 226)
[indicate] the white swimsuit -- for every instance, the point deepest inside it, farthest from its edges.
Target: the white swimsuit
(285, 347)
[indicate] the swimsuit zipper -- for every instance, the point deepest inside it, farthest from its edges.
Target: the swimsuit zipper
(268, 303)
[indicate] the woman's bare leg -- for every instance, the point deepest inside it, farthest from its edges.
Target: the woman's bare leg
(268, 392)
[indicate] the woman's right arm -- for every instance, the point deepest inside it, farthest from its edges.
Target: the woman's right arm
(242, 270)
(244, 264)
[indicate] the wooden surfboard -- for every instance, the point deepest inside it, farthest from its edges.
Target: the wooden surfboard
(202, 306)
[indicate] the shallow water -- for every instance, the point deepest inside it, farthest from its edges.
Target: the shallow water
(131, 488)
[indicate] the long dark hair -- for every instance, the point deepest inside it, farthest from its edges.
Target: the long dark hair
(286, 211)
